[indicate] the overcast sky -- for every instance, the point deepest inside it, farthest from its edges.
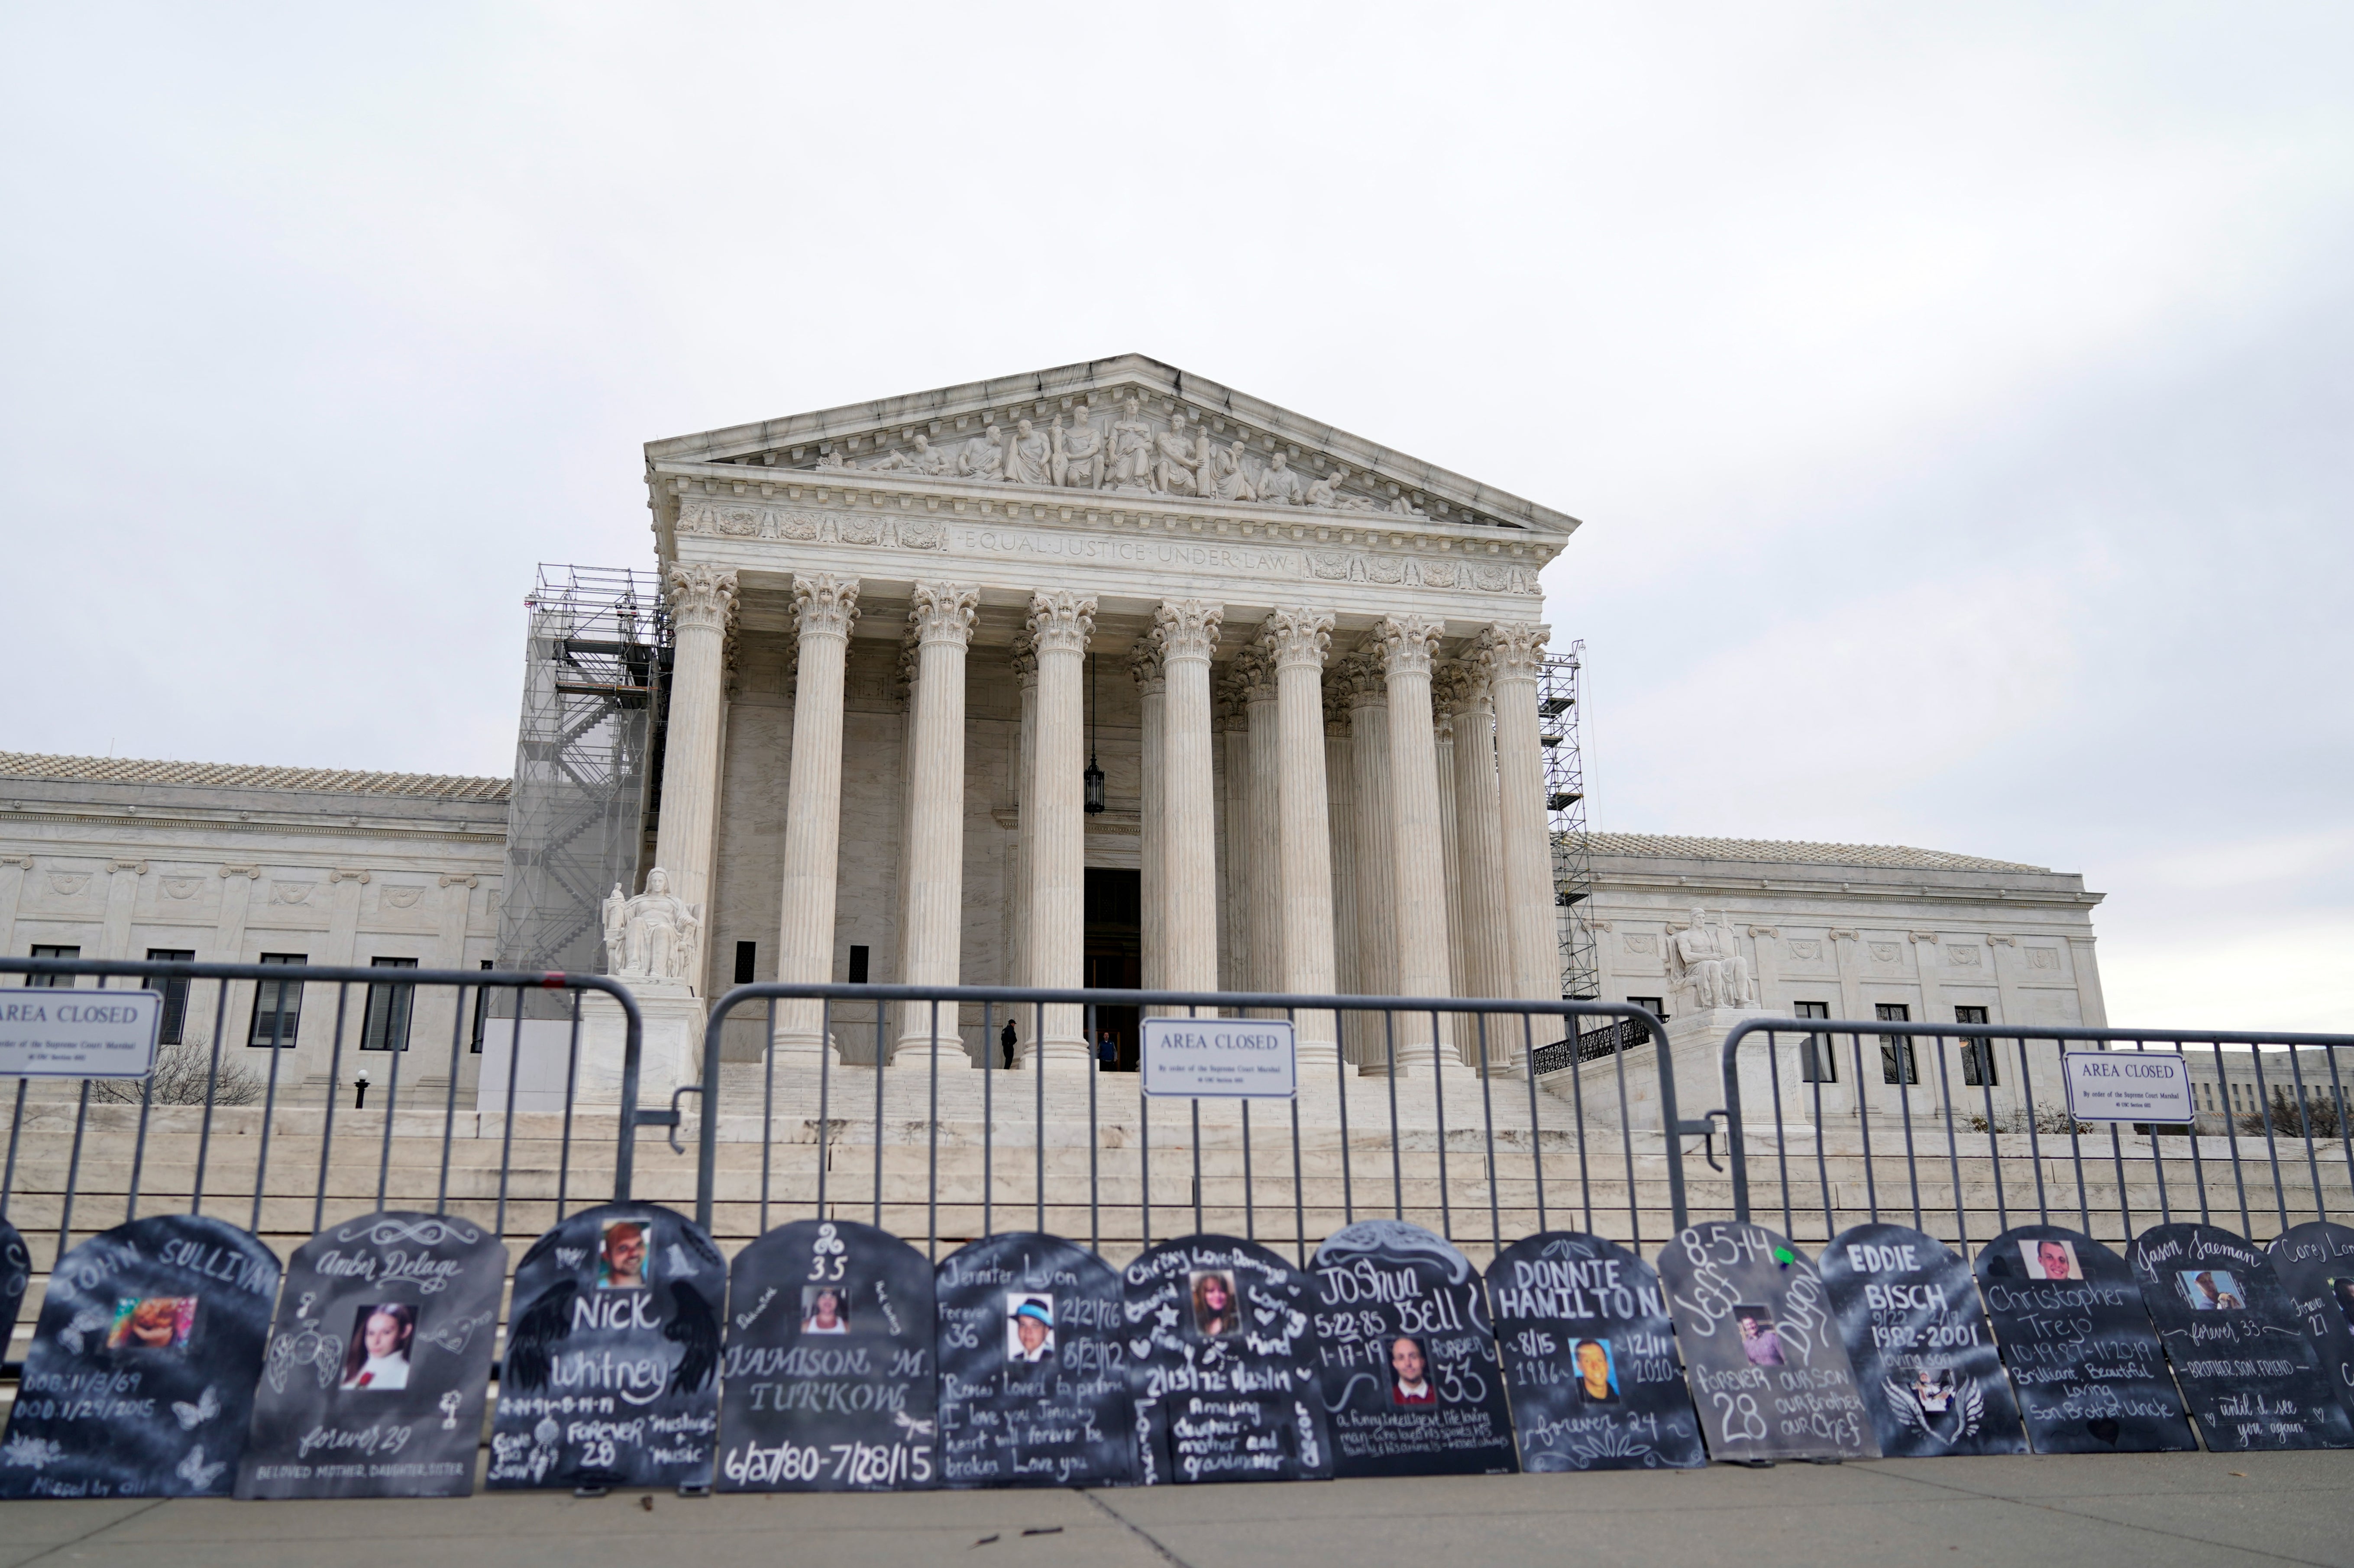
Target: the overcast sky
(1958, 399)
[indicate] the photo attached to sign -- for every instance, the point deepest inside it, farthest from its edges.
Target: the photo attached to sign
(1761, 1341)
(1029, 1328)
(70, 1033)
(1217, 1315)
(826, 1309)
(382, 1336)
(152, 1323)
(1597, 1373)
(2128, 1086)
(621, 1255)
(2048, 1258)
(2209, 1289)
(1220, 1058)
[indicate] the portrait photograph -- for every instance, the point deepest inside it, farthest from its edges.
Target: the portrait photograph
(2050, 1258)
(2209, 1289)
(2342, 1292)
(1932, 1389)
(383, 1335)
(1597, 1372)
(1761, 1341)
(152, 1323)
(1217, 1310)
(1029, 1326)
(826, 1309)
(621, 1255)
(1410, 1371)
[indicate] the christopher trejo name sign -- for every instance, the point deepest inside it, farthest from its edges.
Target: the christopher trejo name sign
(1220, 1058)
(78, 1033)
(2128, 1086)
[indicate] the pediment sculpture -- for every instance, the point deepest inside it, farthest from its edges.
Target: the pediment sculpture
(1706, 967)
(653, 937)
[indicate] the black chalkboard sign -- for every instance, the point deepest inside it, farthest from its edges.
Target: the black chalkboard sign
(1034, 1375)
(2315, 1263)
(1923, 1352)
(376, 1374)
(612, 1355)
(828, 1382)
(16, 1273)
(1407, 1356)
(1590, 1357)
(140, 1381)
(1222, 1364)
(2079, 1344)
(2243, 1364)
(1770, 1374)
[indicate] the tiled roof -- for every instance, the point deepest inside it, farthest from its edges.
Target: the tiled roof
(240, 776)
(1899, 857)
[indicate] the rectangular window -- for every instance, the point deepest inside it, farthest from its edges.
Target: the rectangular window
(1897, 1064)
(1818, 1062)
(386, 1028)
(277, 1006)
(1977, 1055)
(1656, 1006)
(482, 1014)
(857, 966)
(747, 955)
(52, 982)
(175, 993)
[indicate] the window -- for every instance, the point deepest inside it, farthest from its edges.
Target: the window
(1897, 1064)
(52, 982)
(747, 955)
(175, 994)
(482, 1014)
(277, 1005)
(1656, 1006)
(1977, 1055)
(857, 966)
(1818, 1062)
(386, 1026)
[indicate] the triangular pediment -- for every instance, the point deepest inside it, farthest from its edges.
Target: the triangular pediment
(1125, 428)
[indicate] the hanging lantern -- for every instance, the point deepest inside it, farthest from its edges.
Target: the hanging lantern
(1094, 776)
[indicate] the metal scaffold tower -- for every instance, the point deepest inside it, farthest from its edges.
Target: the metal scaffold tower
(595, 676)
(1572, 852)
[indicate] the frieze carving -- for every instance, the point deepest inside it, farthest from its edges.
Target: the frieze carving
(1962, 957)
(1298, 636)
(2042, 958)
(1806, 948)
(182, 887)
(1061, 620)
(826, 605)
(68, 882)
(401, 897)
(944, 612)
(1883, 952)
(1187, 628)
(291, 892)
(726, 521)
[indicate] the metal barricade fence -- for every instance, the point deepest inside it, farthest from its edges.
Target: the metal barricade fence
(209, 1126)
(938, 1151)
(1965, 1131)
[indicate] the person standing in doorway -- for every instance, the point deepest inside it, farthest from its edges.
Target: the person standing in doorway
(1005, 1042)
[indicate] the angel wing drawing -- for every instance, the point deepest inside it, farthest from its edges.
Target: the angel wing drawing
(536, 1333)
(695, 1327)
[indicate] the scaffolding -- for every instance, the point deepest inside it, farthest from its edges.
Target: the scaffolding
(1573, 849)
(588, 760)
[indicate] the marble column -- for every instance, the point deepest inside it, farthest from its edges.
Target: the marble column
(1025, 764)
(1152, 814)
(1060, 624)
(702, 612)
(1360, 678)
(1185, 631)
(1442, 725)
(1263, 858)
(826, 607)
(1295, 641)
(1479, 858)
(1406, 645)
(1511, 653)
(1234, 838)
(933, 941)
(1340, 812)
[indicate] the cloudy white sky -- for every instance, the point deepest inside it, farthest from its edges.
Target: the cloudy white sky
(1957, 398)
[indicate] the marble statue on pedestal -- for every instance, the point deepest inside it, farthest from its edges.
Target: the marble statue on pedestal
(1707, 967)
(653, 936)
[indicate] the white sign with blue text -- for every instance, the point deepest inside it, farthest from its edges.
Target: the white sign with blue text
(2127, 1085)
(1220, 1058)
(64, 1034)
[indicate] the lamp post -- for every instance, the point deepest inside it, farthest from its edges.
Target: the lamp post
(359, 1090)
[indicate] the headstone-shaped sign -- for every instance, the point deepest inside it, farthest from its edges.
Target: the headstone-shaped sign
(1590, 1357)
(376, 1374)
(16, 1273)
(1923, 1352)
(1768, 1373)
(1408, 1356)
(612, 1355)
(2082, 1353)
(2244, 1365)
(2316, 1265)
(828, 1385)
(1034, 1375)
(140, 1381)
(1222, 1364)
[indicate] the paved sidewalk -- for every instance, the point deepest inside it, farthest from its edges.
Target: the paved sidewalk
(2203, 1511)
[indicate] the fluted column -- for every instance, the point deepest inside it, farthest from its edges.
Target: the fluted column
(1479, 857)
(1406, 645)
(827, 607)
(702, 612)
(1341, 813)
(1060, 624)
(1442, 721)
(1263, 854)
(1295, 641)
(1025, 763)
(1185, 631)
(942, 619)
(1512, 652)
(1152, 816)
(1360, 676)
(1233, 719)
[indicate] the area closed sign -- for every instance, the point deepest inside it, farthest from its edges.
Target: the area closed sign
(62, 1033)
(1220, 1058)
(2127, 1085)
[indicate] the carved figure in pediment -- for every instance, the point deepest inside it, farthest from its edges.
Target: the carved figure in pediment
(984, 456)
(1078, 453)
(1029, 456)
(1406, 508)
(1224, 475)
(833, 457)
(1325, 489)
(1131, 449)
(918, 459)
(1280, 485)
(1174, 461)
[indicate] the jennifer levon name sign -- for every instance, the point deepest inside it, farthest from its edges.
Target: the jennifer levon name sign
(2128, 1086)
(1220, 1058)
(78, 1033)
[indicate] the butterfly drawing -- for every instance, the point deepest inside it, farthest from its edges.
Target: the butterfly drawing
(197, 1473)
(192, 1416)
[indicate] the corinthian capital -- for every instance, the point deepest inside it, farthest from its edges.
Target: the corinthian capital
(943, 612)
(1512, 650)
(702, 596)
(827, 605)
(1406, 644)
(1360, 680)
(1025, 657)
(1250, 677)
(1061, 622)
(1144, 665)
(1187, 628)
(1294, 638)
(1459, 689)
